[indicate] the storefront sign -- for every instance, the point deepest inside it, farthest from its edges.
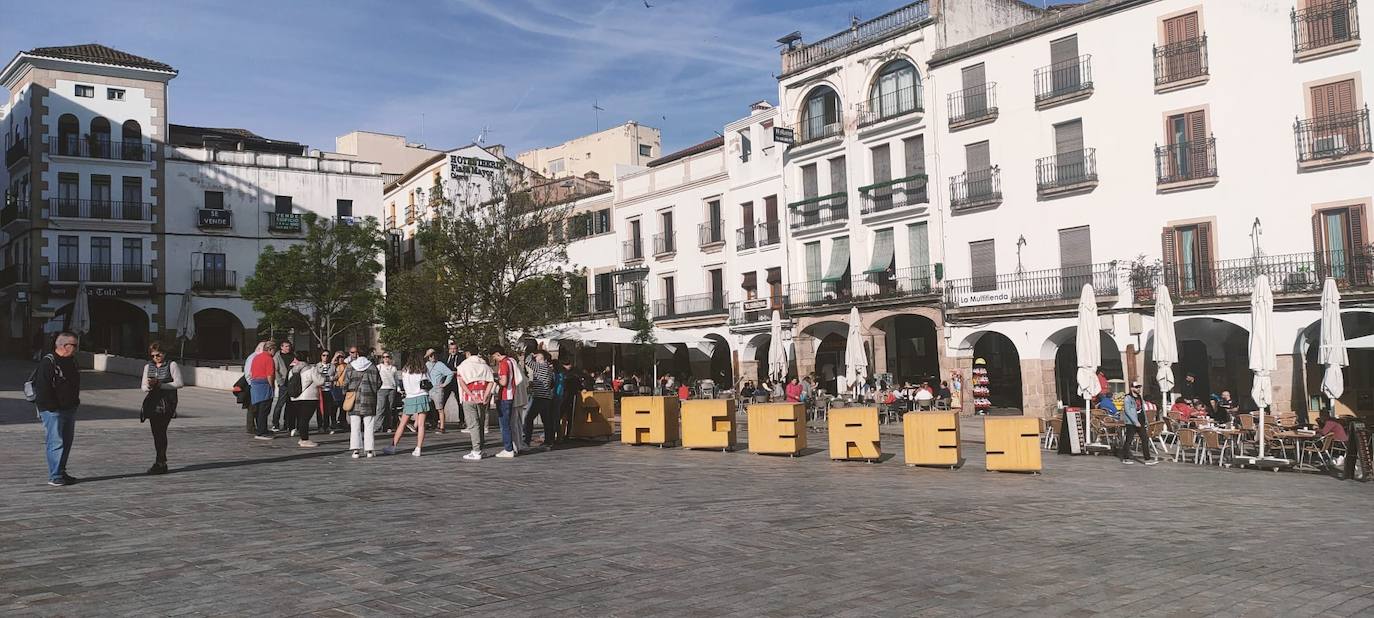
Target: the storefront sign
(784, 135)
(216, 217)
(103, 292)
(464, 167)
(755, 304)
(989, 297)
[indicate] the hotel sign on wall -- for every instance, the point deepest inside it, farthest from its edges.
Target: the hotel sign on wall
(465, 167)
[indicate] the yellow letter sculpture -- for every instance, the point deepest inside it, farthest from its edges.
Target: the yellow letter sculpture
(649, 420)
(932, 439)
(708, 423)
(777, 428)
(854, 433)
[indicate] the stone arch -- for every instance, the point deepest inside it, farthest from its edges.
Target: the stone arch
(908, 345)
(1359, 374)
(1003, 362)
(1062, 347)
(1214, 349)
(894, 87)
(117, 327)
(219, 335)
(821, 107)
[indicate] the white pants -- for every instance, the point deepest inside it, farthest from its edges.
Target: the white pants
(361, 429)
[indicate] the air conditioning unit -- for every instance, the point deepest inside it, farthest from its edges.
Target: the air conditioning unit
(1329, 146)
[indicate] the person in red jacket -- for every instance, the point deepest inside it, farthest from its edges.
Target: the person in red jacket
(261, 370)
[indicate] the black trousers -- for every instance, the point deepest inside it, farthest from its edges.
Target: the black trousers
(159, 424)
(567, 405)
(542, 409)
(299, 413)
(262, 411)
(1126, 434)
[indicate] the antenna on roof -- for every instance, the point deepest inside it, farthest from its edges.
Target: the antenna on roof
(596, 111)
(482, 137)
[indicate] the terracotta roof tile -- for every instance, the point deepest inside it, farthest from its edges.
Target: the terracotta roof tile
(95, 52)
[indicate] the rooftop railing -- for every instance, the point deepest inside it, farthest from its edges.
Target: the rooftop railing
(858, 35)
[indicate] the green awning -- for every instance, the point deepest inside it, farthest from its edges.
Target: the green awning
(882, 253)
(839, 261)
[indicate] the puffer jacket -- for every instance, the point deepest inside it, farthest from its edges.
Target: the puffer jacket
(363, 379)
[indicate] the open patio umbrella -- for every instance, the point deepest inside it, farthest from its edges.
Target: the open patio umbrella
(81, 313)
(1088, 345)
(855, 361)
(1166, 343)
(1332, 352)
(777, 352)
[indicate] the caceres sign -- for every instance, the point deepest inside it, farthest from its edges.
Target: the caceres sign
(466, 167)
(989, 297)
(784, 135)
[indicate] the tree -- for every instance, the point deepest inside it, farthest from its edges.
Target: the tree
(325, 285)
(491, 270)
(643, 325)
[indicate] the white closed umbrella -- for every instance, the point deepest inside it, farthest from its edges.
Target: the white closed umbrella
(1262, 359)
(1166, 343)
(1332, 352)
(186, 322)
(777, 352)
(855, 361)
(1088, 345)
(81, 312)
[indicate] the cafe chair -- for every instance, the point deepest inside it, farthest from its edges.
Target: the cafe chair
(1320, 450)
(1212, 442)
(1160, 435)
(1050, 430)
(1186, 444)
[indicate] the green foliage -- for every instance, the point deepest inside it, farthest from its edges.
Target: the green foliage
(413, 320)
(643, 325)
(325, 285)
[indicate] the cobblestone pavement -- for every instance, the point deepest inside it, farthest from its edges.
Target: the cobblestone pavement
(243, 527)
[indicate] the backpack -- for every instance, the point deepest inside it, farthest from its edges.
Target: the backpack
(30, 393)
(293, 385)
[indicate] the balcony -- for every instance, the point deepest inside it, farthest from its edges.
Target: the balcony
(858, 35)
(74, 272)
(1064, 82)
(1325, 28)
(757, 311)
(1186, 165)
(973, 106)
(711, 234)
(664, 245)
(214, 218)
(770, 234)
(214, 280)
(1055, 286)
(588, 305)
(99, 148)
(1181, 65)
(633, 250)
(696, 305)
(103, 210)
(1334, 139)
(975, 189)
(889, 105)
(820, 211)
(817, 129)
(18, 151)
(745, 237)
(1295, 274)
(284, 222)
(892, 195)
(14, 211)
(1066, 173)
(914, 283)
(390, 222)
(14, 273)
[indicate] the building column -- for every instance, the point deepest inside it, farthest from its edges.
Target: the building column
(965, 367)
(1037, 387)
(1283, 384)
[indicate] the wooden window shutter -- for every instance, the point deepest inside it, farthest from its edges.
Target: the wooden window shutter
(1345, 96)
(1190, 29)
(1204, 256)
(1172, 31)
(1197, 126)
(1318, 245)
(1361, 258)
(1169, 251)
(1181, 28)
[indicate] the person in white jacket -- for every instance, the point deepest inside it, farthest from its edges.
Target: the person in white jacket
(306, 403)
(386, 395)
(476, 385)
(161, 379)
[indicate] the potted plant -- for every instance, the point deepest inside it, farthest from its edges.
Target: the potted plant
(1144, 275)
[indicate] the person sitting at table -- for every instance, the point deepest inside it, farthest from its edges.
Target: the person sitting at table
(924, 398)
(1184, 409)
(1326, 424)
(1218, 412)
(944, 394)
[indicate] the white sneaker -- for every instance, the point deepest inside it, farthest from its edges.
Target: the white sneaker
(473, 456)
(506, 454)
(293, 433)
(416, 452)
(371, 454)
(356, 455)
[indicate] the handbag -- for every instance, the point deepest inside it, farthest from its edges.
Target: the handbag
(426, 385)
(350, 401)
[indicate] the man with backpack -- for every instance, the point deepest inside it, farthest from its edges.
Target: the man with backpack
(56, 391)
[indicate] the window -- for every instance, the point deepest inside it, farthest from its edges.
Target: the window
(68, 135)
(716, 277)
(85, 91)
(983, 256)
(100, 269)
(978, 174)
(821, 114)
(665, 224)
(605, 292)
(975, 92)
(601, 221)
(100, 196)
(133, 253)
(343, 208)
(839, 180)
(646, 150)
(1189, 154)
(1064, 71)
(750, 284)
(918, 237)
(746, 146)
(775, 286)
(216, 274)
(1068, 152)
(1187, 251)
(114, 94)
(215, 200)
(1339, 238)
(896, 91)
(669, 296)
(812, 251)
(1184, 52)
(283, 205)
(914, 151)
(556, 167)
(131, 206)
(68, 194)
(1075, 260)
(809, 181)
(68, 251)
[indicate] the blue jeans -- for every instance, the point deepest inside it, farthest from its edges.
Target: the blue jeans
(503, 416)
(59, 427)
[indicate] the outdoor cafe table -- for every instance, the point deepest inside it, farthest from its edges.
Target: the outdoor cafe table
(1298, 437)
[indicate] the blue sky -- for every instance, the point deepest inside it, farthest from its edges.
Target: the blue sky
(440, 71)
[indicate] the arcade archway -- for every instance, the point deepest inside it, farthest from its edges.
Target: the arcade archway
(1003, 363)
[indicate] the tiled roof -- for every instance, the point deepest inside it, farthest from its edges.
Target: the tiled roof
(710, 144)
(95, 52)
(195, 137)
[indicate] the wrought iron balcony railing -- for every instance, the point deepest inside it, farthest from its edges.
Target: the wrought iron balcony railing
(99, 148)
(710, 233)
(632, 250)
(1066, 169)
(903, 283)
(664, 244)
(815, 129)
(1333, 136)
(104, 210)
(78, 272)
(818, 211)
(893, 194)
(1180, 61)
(975, 188)
(690, 306)
(973, 104)
(1064, 78)
(899, 102)
(858, 35)
(1297, 273)
(745, 238)
(1186, 161)
(13, 210)
(1055, 284)
(770, 233)
(1323, 24)
(214, 280)
(17, 151)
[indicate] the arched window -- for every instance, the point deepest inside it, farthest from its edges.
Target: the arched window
(132, 146)
(100, 138)
(821, 114)
(897, 90)
(68, 132)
